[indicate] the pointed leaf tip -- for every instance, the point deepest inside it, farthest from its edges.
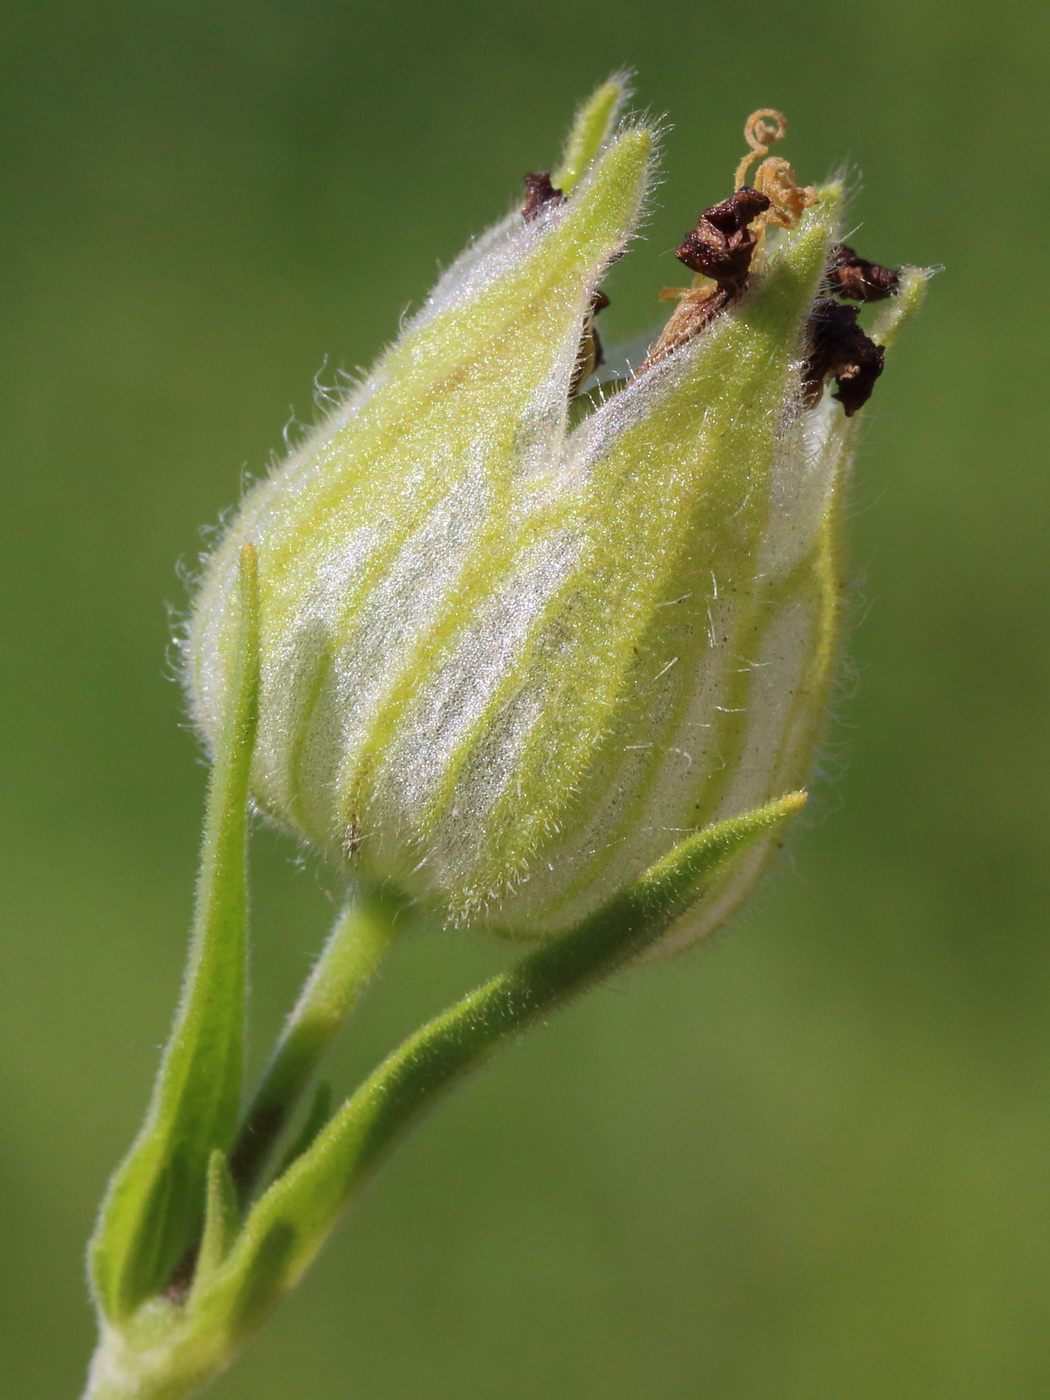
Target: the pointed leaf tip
(901, 307)
(616, 183)
(591, 129)
(679, 878)
(220, 1218)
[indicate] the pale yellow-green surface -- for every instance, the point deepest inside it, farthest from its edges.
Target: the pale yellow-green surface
(806, 1163)
(506, 664)
(387, 546)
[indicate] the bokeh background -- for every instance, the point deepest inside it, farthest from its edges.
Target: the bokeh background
(809, 1162)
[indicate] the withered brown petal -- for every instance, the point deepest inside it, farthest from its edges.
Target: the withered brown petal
(858, 279)
(721, 245)
(840, 349)
(540, 194)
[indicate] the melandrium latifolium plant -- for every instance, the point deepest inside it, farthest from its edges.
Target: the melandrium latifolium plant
(517, 649)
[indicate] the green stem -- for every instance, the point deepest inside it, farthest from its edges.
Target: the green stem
(289, 1223)
(361, 935)
(165, 1360)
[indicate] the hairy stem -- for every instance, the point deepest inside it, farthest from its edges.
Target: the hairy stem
(361, 935)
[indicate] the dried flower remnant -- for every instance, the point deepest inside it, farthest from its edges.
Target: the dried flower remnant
(774, 177)
(722, 246)
(840, 348)
(722, 249)
(858, 279)
(540, 195)
(591, 356)
(723, 243)
(719, 250)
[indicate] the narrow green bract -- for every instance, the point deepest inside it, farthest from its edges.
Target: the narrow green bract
(156, 1201)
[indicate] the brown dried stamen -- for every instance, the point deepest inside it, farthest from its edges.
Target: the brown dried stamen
(720, 248)
(722, 245)
(858, 279)
(591, 354)
(721, 251)
(540, 194)
(839, 348)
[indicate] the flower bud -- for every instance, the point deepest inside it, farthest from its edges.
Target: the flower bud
(509, 659)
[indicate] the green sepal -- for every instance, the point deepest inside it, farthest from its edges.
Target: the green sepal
(591, 128)
(901, 307)
(154, 1206)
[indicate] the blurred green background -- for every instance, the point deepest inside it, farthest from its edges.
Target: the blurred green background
(810, 1162)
